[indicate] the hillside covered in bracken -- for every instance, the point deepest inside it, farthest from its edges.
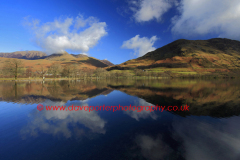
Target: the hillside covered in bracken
(40, 62)
(190, 57)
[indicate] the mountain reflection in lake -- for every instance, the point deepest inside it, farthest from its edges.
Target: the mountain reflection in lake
(209, 130)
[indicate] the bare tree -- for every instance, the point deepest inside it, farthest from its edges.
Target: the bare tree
(108, 75)
(118, 74)
(42, 72)
(100, 72)
(154, 74)
(70, 70)
(90, 73)
(34, 74)
(29, 72)
(139, 72)
(80, 73)
(74, 70)
(13, 67)
(126, 74)
(66, 72)
(55, 69)
(112, 74)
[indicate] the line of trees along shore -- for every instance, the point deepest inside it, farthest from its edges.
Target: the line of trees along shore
(15, 68)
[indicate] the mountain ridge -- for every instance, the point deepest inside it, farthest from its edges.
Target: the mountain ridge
(107, 62)
(195, 56)
(82, 61)
(31, 55)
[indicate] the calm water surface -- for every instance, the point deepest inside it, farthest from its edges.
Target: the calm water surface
(210, 130)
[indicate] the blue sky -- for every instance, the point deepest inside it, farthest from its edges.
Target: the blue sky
(116, 30)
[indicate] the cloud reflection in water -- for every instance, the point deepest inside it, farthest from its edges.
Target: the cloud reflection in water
(143, 114)
(198, 139)
(58, 122)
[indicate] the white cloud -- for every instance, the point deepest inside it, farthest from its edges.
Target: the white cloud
(146, 10)
(141, 46)
(201, 17)
(77, 34)
(86, 54)
(195, 18)
(81, 22)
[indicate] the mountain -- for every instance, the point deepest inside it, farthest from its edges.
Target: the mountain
(190, 56)
(88, 62)
(25, 55)
(79, 55)
(107, 62)
(60, 57)
(80, 59)
(83, 62)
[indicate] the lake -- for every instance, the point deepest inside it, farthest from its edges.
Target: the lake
(209, 129)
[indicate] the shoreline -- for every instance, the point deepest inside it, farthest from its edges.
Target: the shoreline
(132, 78)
